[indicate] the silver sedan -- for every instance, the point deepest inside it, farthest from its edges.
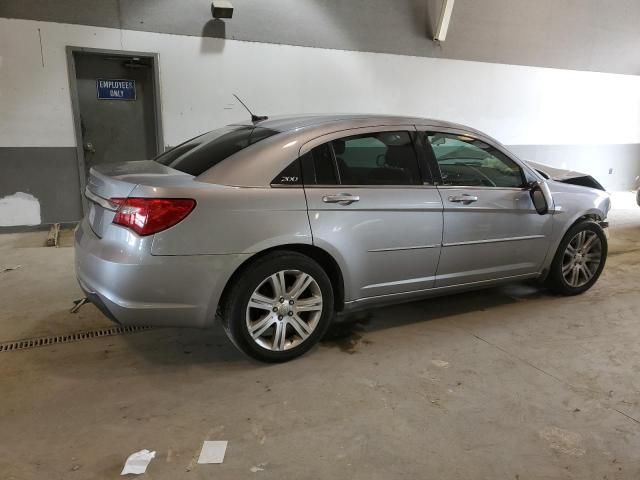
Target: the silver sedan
(273, 226)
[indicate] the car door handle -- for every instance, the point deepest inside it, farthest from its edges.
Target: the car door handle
(466, 199)
(341, 198)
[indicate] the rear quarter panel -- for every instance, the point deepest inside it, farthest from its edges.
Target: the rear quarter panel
(233, 220)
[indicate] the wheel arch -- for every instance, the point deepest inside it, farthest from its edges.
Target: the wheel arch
(593, 215)
(555, 277)
(324, 259)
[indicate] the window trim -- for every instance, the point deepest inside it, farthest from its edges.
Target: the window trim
(422, 153)
(426, 175)
(334, 162)
(434, 161)
(308, 167)
(386, 187)
(300, 183)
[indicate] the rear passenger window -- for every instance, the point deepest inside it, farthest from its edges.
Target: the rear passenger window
(384, 158)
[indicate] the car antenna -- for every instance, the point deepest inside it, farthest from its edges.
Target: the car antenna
(254, 118)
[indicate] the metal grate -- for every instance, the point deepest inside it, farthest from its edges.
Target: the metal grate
(71, 337)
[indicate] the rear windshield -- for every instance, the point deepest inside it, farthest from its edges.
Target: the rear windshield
(203, 152)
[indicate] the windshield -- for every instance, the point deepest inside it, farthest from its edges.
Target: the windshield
(199, 154)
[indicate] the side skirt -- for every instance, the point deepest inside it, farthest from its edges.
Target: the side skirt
(404, 297)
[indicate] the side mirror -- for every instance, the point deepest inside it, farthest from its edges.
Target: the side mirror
(540, 196)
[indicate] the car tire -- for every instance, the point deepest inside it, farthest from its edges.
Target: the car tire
(575, 259)
(265, 329)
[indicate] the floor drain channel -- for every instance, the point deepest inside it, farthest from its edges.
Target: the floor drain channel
(71, 337)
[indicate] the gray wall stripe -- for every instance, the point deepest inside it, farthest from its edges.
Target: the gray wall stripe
(49, 174)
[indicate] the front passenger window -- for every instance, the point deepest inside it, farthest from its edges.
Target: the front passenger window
(468, 162)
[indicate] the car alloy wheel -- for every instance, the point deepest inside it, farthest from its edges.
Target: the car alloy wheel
(581, 259)
(284, 310)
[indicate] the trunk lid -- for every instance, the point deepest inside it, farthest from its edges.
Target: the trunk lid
(118, 180)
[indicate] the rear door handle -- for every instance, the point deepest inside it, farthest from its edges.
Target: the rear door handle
(466, 199)
(341, 198)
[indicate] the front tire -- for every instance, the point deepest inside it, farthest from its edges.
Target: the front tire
(279, 307)
(579, 260)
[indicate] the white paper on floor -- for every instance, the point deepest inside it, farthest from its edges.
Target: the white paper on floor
(212, 451)
(137, 462)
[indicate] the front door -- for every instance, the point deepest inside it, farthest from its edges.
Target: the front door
(117, 107)
(370, 207)
(491, 228)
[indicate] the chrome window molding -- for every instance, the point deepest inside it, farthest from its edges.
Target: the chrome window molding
(397, 187)
(328, 137)
(483, 187)
(285, 185)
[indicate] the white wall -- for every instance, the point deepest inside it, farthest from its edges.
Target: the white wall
(19, 209)
(517, 105)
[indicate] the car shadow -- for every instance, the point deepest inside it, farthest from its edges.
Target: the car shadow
(192, 346)
(350, 329)
(186, 346)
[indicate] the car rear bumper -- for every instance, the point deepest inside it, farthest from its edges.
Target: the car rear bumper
(133, 287)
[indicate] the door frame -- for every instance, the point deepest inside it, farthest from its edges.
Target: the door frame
(75, 102)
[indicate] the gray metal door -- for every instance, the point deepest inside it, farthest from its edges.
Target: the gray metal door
(117, 107)
(498, 235)
(386, 236)
(491, 228)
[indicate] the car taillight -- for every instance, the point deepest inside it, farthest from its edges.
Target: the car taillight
(147, 216)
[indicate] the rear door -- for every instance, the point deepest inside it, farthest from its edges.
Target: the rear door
(491, 228)
(373, 207)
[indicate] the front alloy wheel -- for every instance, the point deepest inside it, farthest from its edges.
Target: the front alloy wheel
(579, 260)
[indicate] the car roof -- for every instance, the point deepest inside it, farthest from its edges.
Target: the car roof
(287, 123)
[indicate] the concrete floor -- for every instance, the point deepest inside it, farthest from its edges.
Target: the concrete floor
(507, 383)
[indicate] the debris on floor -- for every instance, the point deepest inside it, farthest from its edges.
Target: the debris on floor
(10, 269)
(52, 238)
(440, 363)
(563, 441)
(137, 462)
(77, 304)
(258, 468)
(213, 451)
